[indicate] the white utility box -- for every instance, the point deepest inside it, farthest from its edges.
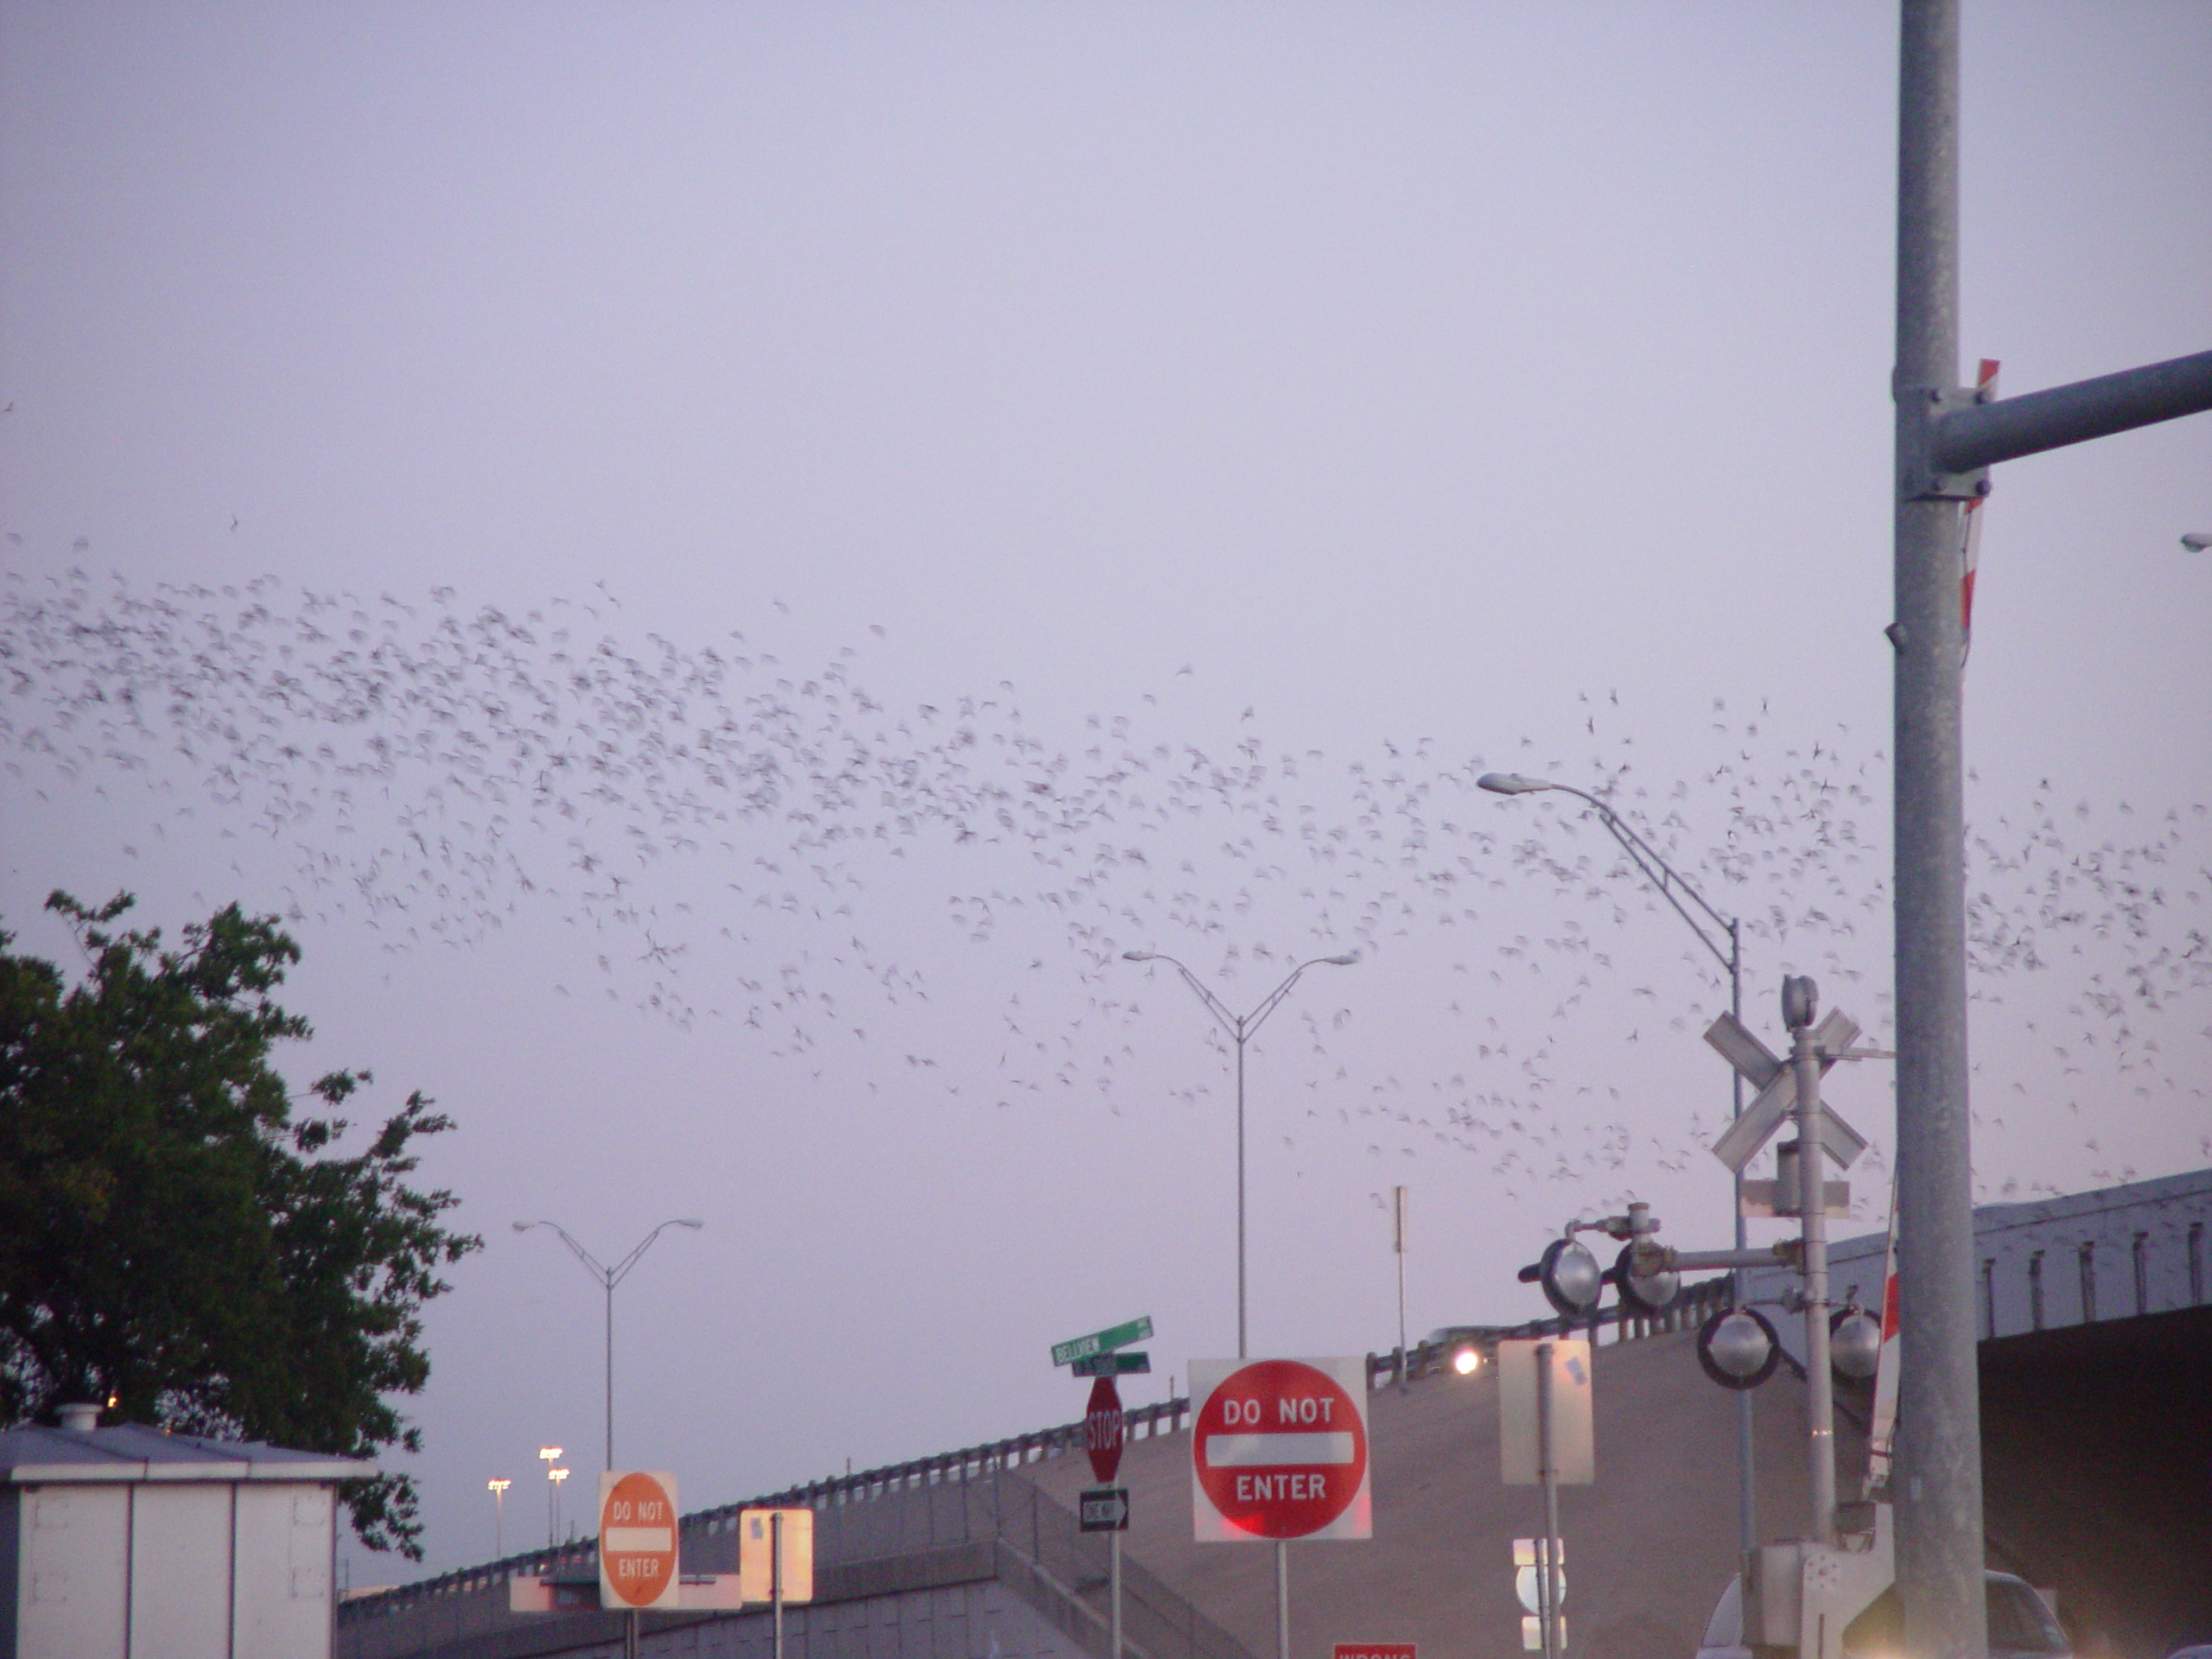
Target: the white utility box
(126, 1543)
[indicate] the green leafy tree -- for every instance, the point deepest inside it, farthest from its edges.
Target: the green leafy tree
(174, 1240)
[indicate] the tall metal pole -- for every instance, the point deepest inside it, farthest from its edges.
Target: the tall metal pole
(1398, 1239)
(1239, 1028)
(1666, 879)
(1746, 1500)
(1547, 1472)
(1939, 1515)
(1812, 1206)
(609, 1278)
(1243, 1346)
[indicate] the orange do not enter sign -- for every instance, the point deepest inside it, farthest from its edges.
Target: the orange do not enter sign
(637, 1539)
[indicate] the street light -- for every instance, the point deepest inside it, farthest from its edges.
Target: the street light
(1667, 880)
(499, 1491)
(1240, 1030)
(609, 1277)
(556, 1476)
(549, 1455)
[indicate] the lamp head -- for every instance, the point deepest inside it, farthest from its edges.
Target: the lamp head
(1137, 956)
(694, 1225)
(1509, 782)
(1344, 960)
(2196, 541)
(1801, 1000)
(524, 1226)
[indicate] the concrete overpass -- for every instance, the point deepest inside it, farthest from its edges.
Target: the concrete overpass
(2096, 1375)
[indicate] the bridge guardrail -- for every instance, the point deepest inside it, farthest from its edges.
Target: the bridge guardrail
(973, 1463)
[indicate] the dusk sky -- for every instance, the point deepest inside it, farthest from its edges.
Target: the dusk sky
(722, 563)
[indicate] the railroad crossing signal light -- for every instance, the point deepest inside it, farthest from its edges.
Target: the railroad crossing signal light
(1570, 1276)
(1854, 1344)
(1738, 1348)
(1643, 1293)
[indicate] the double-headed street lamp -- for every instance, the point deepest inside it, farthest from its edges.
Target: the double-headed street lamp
(1240, 1030)
(1711, 932)
(609, 1277)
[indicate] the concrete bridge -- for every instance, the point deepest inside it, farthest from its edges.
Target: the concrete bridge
(2096, 1377)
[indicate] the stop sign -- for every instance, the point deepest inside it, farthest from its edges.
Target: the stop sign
(1278, 1450)
(637, 1540)
(1101, 1429)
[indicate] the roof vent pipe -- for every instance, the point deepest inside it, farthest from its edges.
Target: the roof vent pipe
(81, 1417)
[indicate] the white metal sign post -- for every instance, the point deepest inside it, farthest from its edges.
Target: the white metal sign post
(1278, 1452)
(1546, 1438)
(775, 1560)
(1103, 1355)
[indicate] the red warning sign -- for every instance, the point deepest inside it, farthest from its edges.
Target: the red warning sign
(1278, 1450)
(637, 1540)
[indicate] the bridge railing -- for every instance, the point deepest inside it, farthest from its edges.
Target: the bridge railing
(1693, 1307)
(976, 1463)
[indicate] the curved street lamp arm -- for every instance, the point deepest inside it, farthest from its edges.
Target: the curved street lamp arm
(1252, 1021)
(622, 1268)
(1664, 876)
(591, 1262)
(1239, 1030)
(1229, 1021)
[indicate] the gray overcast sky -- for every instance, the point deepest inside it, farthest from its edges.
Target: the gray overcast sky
(1443, 387)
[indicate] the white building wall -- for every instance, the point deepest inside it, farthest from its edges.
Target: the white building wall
(72, 1577)
(181, 1572)
(281, 1607)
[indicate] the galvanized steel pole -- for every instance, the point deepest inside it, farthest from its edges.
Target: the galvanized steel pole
(1239, 1028)
(1939, 1520)
(1980, 434)
(1547, 1472)
(1243, 1345)
(1398, 1240)
(1113, 1593)
(1812, 1206)
(1747, 1528)
(1666, 879)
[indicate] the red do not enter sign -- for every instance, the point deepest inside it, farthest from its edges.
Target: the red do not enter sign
(1278, 1450)
(637, 1539)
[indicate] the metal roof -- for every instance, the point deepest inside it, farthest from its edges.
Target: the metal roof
(131, 1452)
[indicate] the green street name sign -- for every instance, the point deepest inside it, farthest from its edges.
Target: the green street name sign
(1124, 1364)
(1100, 1342)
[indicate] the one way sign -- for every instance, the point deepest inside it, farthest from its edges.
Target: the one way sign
(1777, 1085)
(1105, 1509)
